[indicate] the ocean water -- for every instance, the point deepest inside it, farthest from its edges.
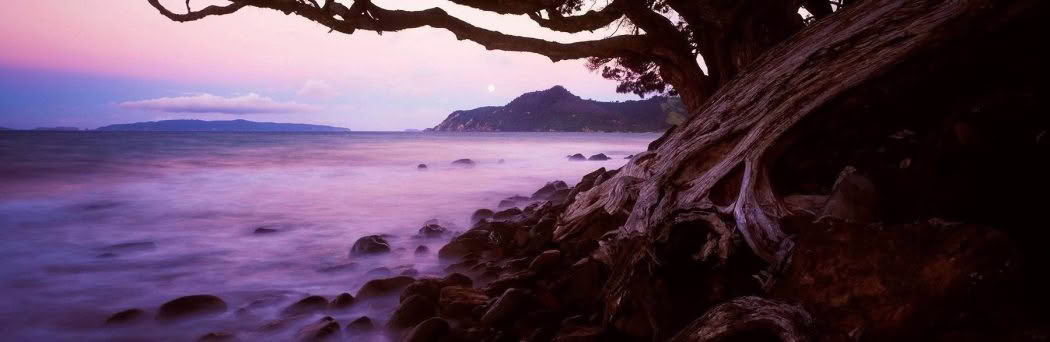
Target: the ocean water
(92, 223)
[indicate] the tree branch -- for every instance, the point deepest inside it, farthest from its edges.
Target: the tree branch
(364, 15)
(590, 21)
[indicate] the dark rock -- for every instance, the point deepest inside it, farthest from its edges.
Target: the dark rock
(599, 156)
(411, 272)
(190, 306)
(629, 156)
(545, 261)
(342, 301)
(360, 325)
(501, 161)
(383, 287)
(379, 272)
(421, 167)
(514, 280)
(266, 230)
(506, 204)
(457, 279)
(463, 163)
(412, 310)
(432, 231)
(459, 301)
(480, 214)
(131, 246)
(430, 330)
(547, 190)
(577, 157)
(506, 214)
(422, 250)
(473, 241)
(126, 317)
(585, 278)
(368, 245)
(512, 302)
(323, 330)
(560, 196)
(426, 287)
(306, 305)
(218, 336)
(853, 197)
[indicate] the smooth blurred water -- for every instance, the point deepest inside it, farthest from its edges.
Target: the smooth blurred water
(67, 197)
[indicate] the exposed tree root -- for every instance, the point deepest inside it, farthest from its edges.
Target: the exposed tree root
(749, 319)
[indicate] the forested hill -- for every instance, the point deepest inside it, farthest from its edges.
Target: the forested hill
(558, 110)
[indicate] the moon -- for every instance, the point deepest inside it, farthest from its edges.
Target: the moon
(492, 88)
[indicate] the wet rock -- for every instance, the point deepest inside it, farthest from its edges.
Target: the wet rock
(547, 190)
(545, 261)
(379, 272)
(411, 272)
(457, 279)
(421, 167)
(370, 245)
(577, 157)
(382, 287)
(511, 303)
(126, 317)
(412, 311)
(360, 325)
(422, 250)
(306, 305)
(463, 163)
(480, 214)
(430, 330)
(323, 330)
(341, 302)
(506, 214)
(430, 288)
(599, 156)
(218, 336)
(190, 306)
(339, 268)
(265, 230)
(585, 278)
(506, 204)
(560, 196)
(432, 231)
(131, 246)
(459, 301)
(514, 280)
(473, 241)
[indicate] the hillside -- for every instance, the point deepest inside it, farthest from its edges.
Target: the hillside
(558, 110)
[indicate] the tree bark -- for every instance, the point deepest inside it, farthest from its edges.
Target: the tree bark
(719, 162)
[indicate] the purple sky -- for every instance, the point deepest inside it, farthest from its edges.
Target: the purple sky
(92, 63)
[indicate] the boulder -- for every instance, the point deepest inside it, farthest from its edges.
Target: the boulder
(360, 325)
(383, 287)
(577, 157)
(306, 305)
(545, 261)
(431, 330)
(599, 156)
(584, 278)
(421, 167)
(506, 214)
(411, 272)
(430, 288)
(217, 336)
(422, 250)
(506, 204)
(459, 301)
(327, 328)
(480, 214)
(473, 241)
(191, 306)
(370, 245)
(457, 279)
(853, 197)
(513, 302)
(341, 302)
(412, 311)
(547, 190)
(560, 196)
(379, 272)
(265, 230)
(126, 317)
(432, 231)
(463, 163)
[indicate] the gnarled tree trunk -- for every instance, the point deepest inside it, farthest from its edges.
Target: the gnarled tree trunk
(711, 179)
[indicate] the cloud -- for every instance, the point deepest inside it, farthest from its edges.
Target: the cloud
(318, 89)
(208, 103)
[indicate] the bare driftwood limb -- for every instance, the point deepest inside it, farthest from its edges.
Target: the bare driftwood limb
(750, 319)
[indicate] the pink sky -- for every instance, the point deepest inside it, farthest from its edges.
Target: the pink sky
(267, 53)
